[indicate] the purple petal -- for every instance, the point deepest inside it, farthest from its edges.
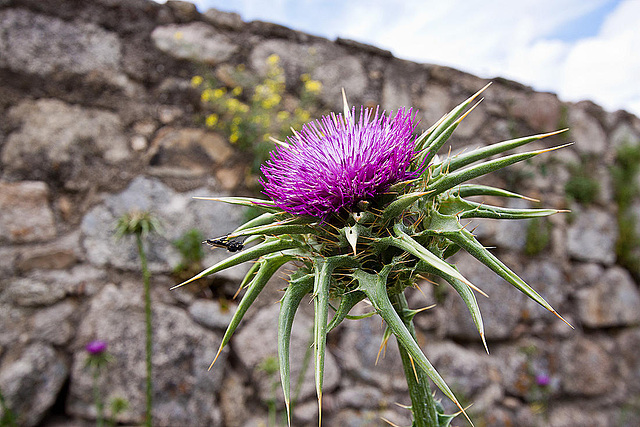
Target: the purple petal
(333, 164)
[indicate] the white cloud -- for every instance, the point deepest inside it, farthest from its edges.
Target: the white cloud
(606, 68)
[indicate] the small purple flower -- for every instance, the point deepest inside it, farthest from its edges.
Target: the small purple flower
(543, 380)
(96, 347)
(334, 163)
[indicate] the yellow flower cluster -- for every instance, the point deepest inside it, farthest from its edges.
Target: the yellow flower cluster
(248, 111)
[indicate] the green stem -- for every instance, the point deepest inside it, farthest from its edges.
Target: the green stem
(423, 405)
(97, 399)
(147, 313)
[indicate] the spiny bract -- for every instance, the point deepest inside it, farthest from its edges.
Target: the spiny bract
(365, 210)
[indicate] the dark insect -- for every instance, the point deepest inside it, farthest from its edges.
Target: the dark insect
(222, 242)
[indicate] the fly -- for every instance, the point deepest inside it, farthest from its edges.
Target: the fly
(222, 242)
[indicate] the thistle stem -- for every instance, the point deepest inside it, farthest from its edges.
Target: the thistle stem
(97, 399)
(423, 405)
(147, 313)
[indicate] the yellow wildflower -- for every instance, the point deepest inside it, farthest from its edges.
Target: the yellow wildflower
(206, 95)
(240, 68)
(237, 91)
(313, 86)
(234, 137)
(273, 59)
(196, 81)
(305, 77)
(219, 93)
(212, 120)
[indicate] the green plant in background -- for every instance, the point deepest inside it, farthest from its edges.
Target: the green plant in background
(582, 187)
(97, 361)
(365, 209)
(141, 224)
(538, 236)
(118, 405)
(253, 110)
(190, 247)
(270, 367)
(8, 418)
(624, 173)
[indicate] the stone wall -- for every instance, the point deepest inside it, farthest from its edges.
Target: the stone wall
(97, 119)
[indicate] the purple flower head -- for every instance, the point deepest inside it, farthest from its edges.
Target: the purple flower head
(543, 380)
(96, 347)
(334, 163)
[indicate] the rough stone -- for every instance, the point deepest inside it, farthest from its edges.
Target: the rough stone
(541, 111)
(501, 312)
(221, 19)
(434, 103)
(55, 135)
(587, 133)
(31, 382)
(178, 209)
(210, 313)
(257, 342)
(233, 395)
(614, 300)
(546, 279)
(196, 41)
(573, 415)
(623, 134)
(183, 389)
(42, 45)
(512, 234)
(629, 343)
(25, 215)
(192, 149)
(361, 397)
(55, 324)
(468, 371)
(592, 237)
(343, 72)
(585, 368)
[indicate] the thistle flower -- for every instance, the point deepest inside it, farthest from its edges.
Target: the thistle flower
(336, 162)
(96, 347)
(366, 210)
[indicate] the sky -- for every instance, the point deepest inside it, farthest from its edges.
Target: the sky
(578, 49)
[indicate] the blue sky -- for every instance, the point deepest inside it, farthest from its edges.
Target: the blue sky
(579, 49)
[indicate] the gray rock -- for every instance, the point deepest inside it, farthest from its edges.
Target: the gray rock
(623, 134)
(585, 368)
(469, 372)
(360, 397)
(587, 133)
(221, 19)
(184, 392)
(55, 324)
(614, 300)
(25, 215)
(193, 149)
(54, 134)
(541, 111)
(512, 234)
(210, 314)
(233, 395)
(42, 288)
(41, 45)
(196, 41)
(31, 382)
(33, 292)
(628, 344)
(257, 342)
(592, 237)
(342, 72)
(578, 415)
(331, 65)
(434, 103)
(178, 213)
(547, 279)
(501, 312)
